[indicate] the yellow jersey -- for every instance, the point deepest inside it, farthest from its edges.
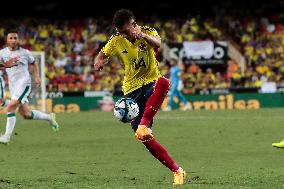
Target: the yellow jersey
(138, 59)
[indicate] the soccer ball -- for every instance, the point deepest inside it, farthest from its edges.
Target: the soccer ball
(126, 109)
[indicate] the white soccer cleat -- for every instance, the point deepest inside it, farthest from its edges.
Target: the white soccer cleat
(53, 122)
(4, 139)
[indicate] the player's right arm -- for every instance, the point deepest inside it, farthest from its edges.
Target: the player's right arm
(100, 60)
(107, 51)
(10, 63)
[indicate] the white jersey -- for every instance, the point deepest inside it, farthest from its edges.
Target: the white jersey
(20, 72)
(18, 76)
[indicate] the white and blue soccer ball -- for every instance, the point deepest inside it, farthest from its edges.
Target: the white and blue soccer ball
(126, 109)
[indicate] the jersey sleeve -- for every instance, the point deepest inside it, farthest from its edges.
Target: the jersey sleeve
(109, 48)
(31, 58)
(149, 31)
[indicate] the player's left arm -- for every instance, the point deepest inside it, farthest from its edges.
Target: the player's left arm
(151, 37)
(100, 60)
(33, 67)
(154, 41)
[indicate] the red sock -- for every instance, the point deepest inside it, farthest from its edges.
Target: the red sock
(160, 153)
(155, 101)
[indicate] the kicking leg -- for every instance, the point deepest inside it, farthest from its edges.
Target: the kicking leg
(144, 134)
(160, 153)
(25, 111)
(152, 106)
(155, 101)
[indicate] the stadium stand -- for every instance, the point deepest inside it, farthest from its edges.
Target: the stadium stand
(71, 46)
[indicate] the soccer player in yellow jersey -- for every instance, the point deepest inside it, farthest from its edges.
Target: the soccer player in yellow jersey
(135, 47)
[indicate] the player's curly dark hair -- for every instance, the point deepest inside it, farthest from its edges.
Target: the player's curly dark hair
(121, 17)
(11, 30)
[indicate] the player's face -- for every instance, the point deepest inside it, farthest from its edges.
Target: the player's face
(13, 40)
(127, 28)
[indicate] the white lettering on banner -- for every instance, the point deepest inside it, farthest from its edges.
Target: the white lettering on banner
(218, 56)
(96, 93)
(219, 53)
(36, 94)
(200, 48)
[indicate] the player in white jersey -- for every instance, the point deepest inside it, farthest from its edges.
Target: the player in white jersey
(20, 85)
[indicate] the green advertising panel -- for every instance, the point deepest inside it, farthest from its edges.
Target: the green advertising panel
(197, 102)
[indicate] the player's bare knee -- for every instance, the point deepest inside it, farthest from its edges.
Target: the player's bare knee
(12, 106)
(26, 115)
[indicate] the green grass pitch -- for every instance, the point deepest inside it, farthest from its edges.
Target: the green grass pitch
(218, 149)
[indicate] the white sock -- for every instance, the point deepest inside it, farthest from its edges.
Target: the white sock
(11, 122)
(38, 115)
(6, 102)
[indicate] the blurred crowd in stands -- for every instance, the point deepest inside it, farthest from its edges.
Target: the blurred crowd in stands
(71, 46)
(260, 39)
